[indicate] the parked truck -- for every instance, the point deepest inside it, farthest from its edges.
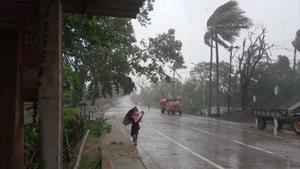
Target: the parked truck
(279, 116)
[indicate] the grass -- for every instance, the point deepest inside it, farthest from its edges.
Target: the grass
(91, 155)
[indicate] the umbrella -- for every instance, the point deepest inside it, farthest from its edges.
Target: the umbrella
(127, 117)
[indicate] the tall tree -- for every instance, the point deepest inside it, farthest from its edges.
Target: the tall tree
(157, 53)
(209, 41)
(143, 15)
(223, 25)
(258, 50)
(104, 54)
(278, 74)
(296, 45)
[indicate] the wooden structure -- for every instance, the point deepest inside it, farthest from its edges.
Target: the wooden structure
(31, 70)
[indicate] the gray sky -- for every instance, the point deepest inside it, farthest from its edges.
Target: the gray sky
(188, 18)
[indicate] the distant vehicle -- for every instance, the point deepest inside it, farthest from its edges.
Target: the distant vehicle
(171, 105)
(163, 105)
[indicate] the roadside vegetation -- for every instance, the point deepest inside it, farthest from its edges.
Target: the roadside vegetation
(91, 154)
(31, 145)
(250, 79)
(194, 92)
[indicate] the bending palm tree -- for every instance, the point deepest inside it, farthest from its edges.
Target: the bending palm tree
(223, 25)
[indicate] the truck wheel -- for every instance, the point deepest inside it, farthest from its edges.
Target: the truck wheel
(262, 124)
(296, 125)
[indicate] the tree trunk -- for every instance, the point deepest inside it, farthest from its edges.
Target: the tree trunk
(217, 74)
(244, 93)
(210, 78)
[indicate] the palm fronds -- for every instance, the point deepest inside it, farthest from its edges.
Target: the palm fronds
(228, 20)
(296, 41)
(209, 35)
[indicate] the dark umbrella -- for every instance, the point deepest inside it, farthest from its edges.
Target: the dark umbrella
(127, 117)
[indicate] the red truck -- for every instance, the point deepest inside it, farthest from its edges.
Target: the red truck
(171, 105)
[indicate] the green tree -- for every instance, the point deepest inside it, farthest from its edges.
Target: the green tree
(223, 25)
(201, 73)
(70, 84)
(276, 74)
(102, 51)
(256, 53)
(157, 53)
(143, 16)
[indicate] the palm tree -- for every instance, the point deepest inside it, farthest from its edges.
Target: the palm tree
(223, 25)
(296, 45)
(209, 41)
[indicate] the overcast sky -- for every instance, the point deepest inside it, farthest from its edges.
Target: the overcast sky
(188, 18)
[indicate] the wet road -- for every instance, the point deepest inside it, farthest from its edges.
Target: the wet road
(192, 142)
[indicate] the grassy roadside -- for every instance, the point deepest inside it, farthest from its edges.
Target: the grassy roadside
(91, 154)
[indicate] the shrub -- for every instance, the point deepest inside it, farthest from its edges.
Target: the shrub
(97, 127)
(31, 135)
(70, 117)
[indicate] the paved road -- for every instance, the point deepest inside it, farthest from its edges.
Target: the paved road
(192, 142)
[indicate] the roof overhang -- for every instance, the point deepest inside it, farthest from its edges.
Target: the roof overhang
(117, 8)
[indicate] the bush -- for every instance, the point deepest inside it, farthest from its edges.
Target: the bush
(97, 127)
(31, 135)
(72, 130)
(69, 118)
